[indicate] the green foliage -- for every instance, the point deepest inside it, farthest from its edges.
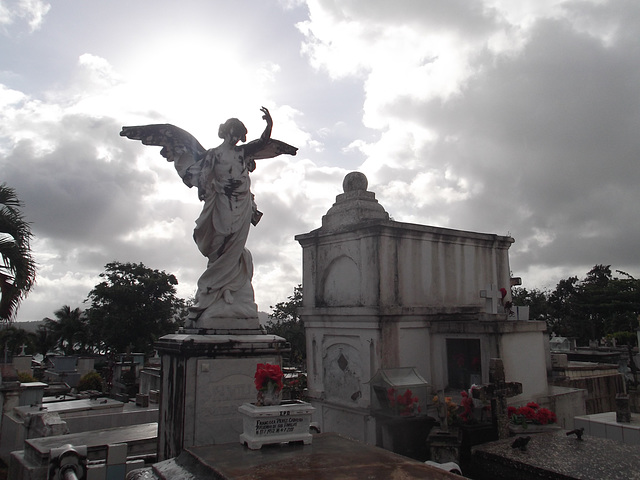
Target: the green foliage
(285, 322)
(294, 386)
(17, 265)
(12, 339)
(132, 307)
(45, 337)
(563, 312)
(624, 338)
(535, 299)
(600, 304)
(24, 377)
(68, 332)
(91, 381)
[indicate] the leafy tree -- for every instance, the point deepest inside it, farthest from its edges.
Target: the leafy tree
(593, 301)
(537, 301)
(625, 305)
(17, 268)
(132, 307)
(285, 322)
(564, 319)
(601, 304)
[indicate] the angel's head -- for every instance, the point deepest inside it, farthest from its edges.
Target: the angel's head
(234, 128)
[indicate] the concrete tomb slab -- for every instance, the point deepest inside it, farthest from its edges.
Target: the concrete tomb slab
(328, 457)
(555, 456)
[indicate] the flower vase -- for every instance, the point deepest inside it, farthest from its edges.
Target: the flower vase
(271, 396)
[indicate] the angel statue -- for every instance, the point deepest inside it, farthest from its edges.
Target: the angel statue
(225, 298)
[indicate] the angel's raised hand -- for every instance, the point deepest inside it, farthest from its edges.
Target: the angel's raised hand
(266, 116)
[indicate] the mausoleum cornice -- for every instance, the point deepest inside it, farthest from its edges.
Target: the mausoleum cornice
(393, 229)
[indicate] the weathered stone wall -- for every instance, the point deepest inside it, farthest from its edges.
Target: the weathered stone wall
(387, 264)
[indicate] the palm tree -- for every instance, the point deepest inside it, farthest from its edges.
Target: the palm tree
(69, 330)
(17, 268)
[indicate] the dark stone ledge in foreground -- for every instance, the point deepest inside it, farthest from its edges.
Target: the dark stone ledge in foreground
(329, 457)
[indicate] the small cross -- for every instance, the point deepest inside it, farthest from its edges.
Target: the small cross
(498, 391)
(24, 346)
(493, 297)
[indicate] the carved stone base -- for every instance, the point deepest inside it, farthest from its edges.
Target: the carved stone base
(238, 312)
(204, 380)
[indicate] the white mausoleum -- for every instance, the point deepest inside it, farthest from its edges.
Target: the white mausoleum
(381, 294)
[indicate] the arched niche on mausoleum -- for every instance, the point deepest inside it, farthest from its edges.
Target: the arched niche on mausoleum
(341, 286)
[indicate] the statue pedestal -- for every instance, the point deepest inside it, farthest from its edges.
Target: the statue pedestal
(205, 378)
(223, 326)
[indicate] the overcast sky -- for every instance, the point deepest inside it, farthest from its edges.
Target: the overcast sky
(518, 118)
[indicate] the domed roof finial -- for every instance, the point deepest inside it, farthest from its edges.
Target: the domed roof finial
(355, 181)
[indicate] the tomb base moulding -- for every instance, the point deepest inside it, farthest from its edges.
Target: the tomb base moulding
(204, 380)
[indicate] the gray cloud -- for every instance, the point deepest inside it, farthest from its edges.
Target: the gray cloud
(517, 124)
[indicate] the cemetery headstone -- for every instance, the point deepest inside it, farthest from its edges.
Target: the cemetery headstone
(497, 391)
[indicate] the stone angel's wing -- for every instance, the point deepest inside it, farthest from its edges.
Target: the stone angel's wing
(178, 146)
(258, 149)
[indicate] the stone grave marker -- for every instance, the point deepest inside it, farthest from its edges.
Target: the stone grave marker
(497, 391)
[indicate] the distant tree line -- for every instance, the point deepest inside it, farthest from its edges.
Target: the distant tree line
(597, 306)
(129, 309)
(134, 305)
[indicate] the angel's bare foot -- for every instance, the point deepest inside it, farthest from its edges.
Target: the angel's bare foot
(226, 295)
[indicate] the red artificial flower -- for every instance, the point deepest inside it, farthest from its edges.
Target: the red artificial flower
(528, 413)
(405, 402)
(503, 291)
(544, 416)
(391, 396)
(511, 411)
(267, 373)
(533, 405)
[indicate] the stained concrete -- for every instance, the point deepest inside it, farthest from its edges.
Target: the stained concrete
(329, 457)
(552, 456)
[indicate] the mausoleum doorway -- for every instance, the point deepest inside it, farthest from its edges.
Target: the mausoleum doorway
(464, 364)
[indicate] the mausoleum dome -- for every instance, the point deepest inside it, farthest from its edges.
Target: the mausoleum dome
(356, 205)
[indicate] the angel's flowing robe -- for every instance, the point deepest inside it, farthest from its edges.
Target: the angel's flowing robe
(221, 233)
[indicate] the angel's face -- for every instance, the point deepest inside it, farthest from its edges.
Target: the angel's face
(235, 138)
